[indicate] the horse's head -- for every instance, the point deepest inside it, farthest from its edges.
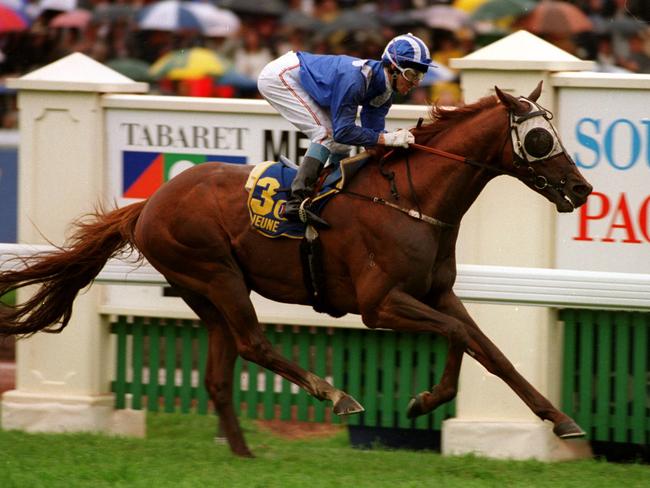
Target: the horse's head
(538, 156)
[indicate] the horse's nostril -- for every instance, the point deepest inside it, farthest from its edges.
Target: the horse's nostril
(582, 190)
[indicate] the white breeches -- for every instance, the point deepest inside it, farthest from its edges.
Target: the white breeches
(279, 83)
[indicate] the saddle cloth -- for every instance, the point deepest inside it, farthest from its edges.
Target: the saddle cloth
(268, 188)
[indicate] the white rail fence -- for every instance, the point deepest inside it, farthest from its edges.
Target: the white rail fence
(556, 288)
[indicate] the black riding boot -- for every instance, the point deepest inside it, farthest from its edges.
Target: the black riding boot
(301, 189)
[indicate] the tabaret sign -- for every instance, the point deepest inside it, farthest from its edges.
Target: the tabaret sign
(609, 139)
(147, 148)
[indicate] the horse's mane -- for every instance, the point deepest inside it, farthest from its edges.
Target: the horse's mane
(442, 117)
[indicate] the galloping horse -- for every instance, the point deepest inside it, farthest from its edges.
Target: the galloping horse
(396, 269)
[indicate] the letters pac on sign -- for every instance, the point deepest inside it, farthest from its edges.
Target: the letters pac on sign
(624, 222)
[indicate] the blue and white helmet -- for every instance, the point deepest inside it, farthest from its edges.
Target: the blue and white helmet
(407, 51)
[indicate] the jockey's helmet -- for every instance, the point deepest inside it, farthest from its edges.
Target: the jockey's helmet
(407, 52)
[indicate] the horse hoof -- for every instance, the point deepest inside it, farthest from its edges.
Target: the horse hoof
(416, 407)
(244, 454)
(568, 430)
(347, 406)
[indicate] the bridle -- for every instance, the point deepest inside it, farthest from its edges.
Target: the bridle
(520, 156)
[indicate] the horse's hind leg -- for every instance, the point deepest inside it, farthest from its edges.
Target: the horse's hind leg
(231, 297)
(222, 354)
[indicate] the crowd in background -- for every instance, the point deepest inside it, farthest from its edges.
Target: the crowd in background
(270, 28)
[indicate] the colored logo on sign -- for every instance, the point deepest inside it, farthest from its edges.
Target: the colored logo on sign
(144, 172)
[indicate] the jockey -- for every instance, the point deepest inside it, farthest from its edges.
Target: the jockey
(321, 94)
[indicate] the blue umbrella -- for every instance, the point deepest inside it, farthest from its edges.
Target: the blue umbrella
(237, 80)
(175, 15)
(437, 74)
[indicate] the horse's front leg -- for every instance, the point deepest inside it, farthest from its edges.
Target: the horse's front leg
(488, 354)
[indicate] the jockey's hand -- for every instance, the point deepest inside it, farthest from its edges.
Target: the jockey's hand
(398, 138)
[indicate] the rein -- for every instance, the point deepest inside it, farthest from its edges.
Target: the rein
(540, 182)
(462, 159)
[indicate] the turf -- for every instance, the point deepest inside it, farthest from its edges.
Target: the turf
(180, 452)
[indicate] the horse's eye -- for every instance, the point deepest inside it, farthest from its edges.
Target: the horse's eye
(538, 142)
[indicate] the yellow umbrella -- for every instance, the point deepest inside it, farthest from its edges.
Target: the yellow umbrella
(183, 64)
(468, 5)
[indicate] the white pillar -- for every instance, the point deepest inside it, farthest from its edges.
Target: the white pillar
(511, 226)
(63, 380)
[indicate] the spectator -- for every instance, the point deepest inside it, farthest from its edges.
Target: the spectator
(265, 37)
(251, 56)
(638, 59)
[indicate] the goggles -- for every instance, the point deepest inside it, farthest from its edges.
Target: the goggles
(411, 75)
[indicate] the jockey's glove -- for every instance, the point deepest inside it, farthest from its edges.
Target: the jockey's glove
(398, 138)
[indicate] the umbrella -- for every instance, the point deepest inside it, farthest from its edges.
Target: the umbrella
(237, 80)
(133, 68)
(351, 21)
(74, 19)
(112, 12)
(61, 5)
(437, 74)
(14, 4)
(499, 9)
(468, 6)
(255, 7)
(174, 15)
(24, 7)
(299, 20)
(444, 17)
(624, 25)
(219, 22)
(182, 64)
(402, 18)
(12, 20)
(556, 18)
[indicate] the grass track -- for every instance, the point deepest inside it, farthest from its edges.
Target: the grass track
(180, 452)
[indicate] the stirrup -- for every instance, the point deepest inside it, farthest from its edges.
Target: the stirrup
(306, 216)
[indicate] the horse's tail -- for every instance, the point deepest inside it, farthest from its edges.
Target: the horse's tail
(63, 273)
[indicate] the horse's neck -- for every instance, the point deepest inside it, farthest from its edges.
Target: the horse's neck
(447, 188)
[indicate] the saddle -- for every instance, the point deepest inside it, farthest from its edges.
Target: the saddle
(269, 187)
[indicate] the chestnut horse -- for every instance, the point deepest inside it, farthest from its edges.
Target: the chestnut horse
(396, 269)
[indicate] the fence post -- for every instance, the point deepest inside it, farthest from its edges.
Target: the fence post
(62, 381)
(490, 419)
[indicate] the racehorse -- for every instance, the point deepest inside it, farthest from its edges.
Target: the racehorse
(394, 268)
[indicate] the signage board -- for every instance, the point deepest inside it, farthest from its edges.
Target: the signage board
(147, 148)
(609, 139)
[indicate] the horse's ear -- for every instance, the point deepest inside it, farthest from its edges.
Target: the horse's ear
(534, 95)
(508, 100)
